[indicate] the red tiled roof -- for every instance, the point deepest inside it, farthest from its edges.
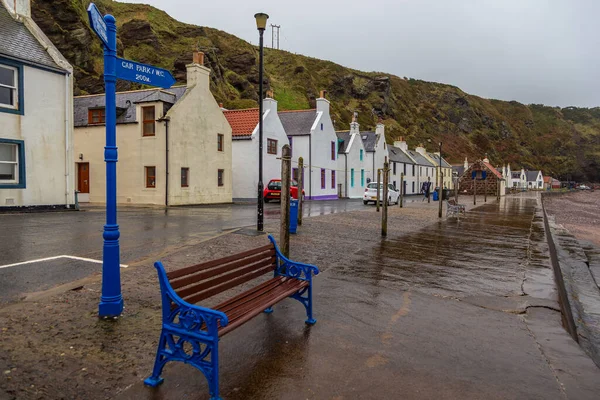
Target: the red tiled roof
(494, 170)
(242, 122)
(547, 179)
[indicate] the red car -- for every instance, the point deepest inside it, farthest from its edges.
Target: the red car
(273, 190)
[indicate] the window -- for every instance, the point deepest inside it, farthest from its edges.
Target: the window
(404, 169)
(12, 164)
(185, 176)
(413, 168)
(96, 116)
(333, 150)
(394, 170)
(362, 177)
(271, 146)
(290, 140)
(352, 177)
(220, 174)
(413, 187)
(220, 139)
(361, 154)
(9, 87)
(333, 179)
(150, 177)
(148, 123)
(323, 178)
(394, 184)
(295, 174)
(321, 126)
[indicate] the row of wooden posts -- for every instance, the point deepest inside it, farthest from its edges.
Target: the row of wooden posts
(286, 175)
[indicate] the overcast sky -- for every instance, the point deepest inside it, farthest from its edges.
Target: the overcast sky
(532, 51)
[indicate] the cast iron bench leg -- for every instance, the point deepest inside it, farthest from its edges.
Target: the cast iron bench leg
(306, 302)
(155, 379)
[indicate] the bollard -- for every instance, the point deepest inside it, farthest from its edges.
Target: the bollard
(440, 192)
(474, 192)
(378, 184)
(286, 177)
(300, 188)
(485, 190)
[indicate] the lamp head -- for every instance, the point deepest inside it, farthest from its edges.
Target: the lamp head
(261, 21)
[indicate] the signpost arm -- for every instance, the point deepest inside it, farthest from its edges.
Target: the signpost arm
(111, 302)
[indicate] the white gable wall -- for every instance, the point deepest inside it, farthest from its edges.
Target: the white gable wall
(322, 136)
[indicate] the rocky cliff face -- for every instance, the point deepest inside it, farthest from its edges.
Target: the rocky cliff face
(558, 141)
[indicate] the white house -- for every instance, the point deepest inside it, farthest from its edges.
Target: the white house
(376, 149)
(36, 100)
(244, 125)
(174, 144)
(352, 162)
(425, 170)
(402, 163)
(535, 180)
(312, 136)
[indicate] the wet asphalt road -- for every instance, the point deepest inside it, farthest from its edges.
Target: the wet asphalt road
(145, 231)
(459, 310)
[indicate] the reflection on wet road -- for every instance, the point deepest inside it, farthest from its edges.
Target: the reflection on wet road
(484, 252)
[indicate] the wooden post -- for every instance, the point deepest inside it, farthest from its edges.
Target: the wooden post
(385, 198)
(440, 192)
(456, 189)
(475, 190)
(286, 175)
(401, 190)
(428, 189)
(485, 190)
(300, 188)
(378, 184)
(498, 187)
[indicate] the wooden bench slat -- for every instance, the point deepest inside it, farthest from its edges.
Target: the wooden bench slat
(268, 298)
(189, 279)
(198, 267)
(209, 283)
(255, 291)
(259, 308)
(228, 285)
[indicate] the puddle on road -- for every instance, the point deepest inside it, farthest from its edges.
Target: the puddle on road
(484, 252)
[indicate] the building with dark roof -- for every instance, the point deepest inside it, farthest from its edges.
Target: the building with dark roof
(36, 99)
(174, 144)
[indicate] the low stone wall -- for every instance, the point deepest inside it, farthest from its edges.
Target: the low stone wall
(578, 290)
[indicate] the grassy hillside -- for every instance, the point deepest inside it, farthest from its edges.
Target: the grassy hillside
(558, 141)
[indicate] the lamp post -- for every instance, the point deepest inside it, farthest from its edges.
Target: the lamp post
(261, 24)
(440, 179)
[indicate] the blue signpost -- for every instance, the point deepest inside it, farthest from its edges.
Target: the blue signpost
(111, 301)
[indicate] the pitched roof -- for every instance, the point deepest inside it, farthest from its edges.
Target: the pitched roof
(126, 102)
(298, 122)
(369, 140)
(516, 175)
(419, 158)
(16, 41)
(494, 170)
(436, 158)
(531, 175)
(243, 122)
(459, 169)
(547, 179)
(344, 139)
(398, 155)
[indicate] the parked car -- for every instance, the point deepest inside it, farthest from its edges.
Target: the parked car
(370, 194)
(273, 190)
(584, 187)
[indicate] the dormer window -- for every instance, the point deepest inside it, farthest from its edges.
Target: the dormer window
(96, 116)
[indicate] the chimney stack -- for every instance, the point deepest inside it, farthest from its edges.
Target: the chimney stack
(354, 126)
(420, 149)
(198, 58)
(401, 144)
(466, 165)
(323, 103)
(269, 94)
(322, 94)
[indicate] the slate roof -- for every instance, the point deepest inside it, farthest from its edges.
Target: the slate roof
(420, 159)
(516, 175)
(397, 155)
(459, 169)
(531, 175)
(437, 160)
(369, 140)
(299, 122)
(126, 102)
(17, 42)
(243, 122)
(344, 138)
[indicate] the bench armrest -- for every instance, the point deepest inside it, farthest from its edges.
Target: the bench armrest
(293, 269)
(179, 314)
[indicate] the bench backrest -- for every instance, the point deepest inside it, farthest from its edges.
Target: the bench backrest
(201, 281)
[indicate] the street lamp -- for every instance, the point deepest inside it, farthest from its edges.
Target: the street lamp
(261, 24)
(440, 178)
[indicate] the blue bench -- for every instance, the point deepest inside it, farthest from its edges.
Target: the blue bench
(191, 333)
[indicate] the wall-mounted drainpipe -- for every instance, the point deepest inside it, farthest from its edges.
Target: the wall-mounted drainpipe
(166, 120)
(309, 167)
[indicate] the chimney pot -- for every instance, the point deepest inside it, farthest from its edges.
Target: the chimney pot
(198, 58)
(269, 94)
(220, 105)
(322, 94)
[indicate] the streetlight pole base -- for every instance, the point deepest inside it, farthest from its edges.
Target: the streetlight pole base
(110, 306)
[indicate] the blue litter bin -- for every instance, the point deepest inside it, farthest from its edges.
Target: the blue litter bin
(435, 195)
(293, 215)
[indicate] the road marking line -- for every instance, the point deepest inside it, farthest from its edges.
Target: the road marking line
(56, 258)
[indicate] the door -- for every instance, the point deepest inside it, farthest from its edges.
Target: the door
(83, 177)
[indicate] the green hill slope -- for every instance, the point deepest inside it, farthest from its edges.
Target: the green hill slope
(558, 141)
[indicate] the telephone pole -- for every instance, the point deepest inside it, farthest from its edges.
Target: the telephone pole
(273, 35)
